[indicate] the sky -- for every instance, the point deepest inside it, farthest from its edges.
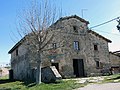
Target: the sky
(94, 11)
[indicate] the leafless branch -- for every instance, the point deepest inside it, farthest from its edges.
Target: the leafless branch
(34, 25)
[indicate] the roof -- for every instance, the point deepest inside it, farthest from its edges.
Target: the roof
(115, 54)
(95, 33)
(16, 45)
(115, 66)
(73, 16)
(62, 18)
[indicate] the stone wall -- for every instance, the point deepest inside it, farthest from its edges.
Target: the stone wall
(64, 38)
(114, 59)
(115, 63)
(20, 63)
(65, 33)
(65, 53)
(101, 55)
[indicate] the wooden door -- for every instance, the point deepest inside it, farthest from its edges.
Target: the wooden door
(78, 67)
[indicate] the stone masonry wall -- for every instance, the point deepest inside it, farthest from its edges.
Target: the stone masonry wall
(64, 38)
(65, 53)
(65, 34)
(20, 64)
(114, 60)
(101, 55)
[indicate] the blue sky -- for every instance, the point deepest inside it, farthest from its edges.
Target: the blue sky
(97, 11)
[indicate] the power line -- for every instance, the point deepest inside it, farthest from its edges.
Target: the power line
(105, 22)
(108, 32)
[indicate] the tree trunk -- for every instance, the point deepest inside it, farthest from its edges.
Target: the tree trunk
(38, 75)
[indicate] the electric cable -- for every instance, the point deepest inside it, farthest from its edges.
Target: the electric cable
(105, 22)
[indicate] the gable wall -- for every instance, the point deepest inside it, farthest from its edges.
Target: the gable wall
(65, 36)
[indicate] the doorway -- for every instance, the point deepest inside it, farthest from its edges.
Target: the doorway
(78, 67)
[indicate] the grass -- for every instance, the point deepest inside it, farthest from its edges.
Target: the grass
(6, 84)
(112, 79)
(18, 85)
(63, 85)
(4, 77)
(12, 85)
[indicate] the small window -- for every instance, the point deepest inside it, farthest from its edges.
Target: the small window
(96, 47)
(76, 45)
(54, 45)
(75, 29)
(97, 64)
(16, 52)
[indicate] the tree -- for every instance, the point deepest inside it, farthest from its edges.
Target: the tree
(34, 27)
(118, 26)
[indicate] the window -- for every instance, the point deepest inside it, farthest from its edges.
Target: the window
(96, 47)
(76, 45)
(16, 52)
(75, 29)
(97, 64)
(54, 45)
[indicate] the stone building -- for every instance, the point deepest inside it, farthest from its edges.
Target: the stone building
(74, 50)
(115, 62)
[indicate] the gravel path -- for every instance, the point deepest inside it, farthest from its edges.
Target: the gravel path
(106, 86)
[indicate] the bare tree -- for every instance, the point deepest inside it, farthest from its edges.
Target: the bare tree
(33, 26)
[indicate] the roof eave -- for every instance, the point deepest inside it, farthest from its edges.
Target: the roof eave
(73, 16)
(93, 32)
(16, 46)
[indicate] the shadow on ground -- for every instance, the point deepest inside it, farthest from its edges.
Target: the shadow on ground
(25, 83)
(115, 78)
(3, 81)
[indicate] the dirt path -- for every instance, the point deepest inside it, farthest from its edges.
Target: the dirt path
(106, 86)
